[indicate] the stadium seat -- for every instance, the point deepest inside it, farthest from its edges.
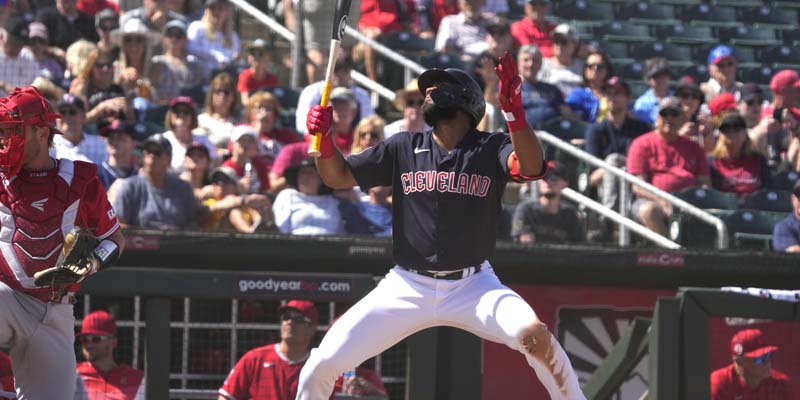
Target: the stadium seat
(617, 51)
(782, 57)
(676, 54)
(565, 129)
(287, 97)
(647, 13)
(792, 37)
(686, 34)
(692, 232)
(441, 60)
(743, 35)
(407, 43)
(768, 200)
(710, 15)
(785, 180)
(698, 72)
(751, 229)
(767, 16)
(739, 3)
(760, 75)
(708, 198)
(623, 32)
(630, 71)
(584, 10)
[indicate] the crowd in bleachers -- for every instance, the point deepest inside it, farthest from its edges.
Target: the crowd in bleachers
(192, 127)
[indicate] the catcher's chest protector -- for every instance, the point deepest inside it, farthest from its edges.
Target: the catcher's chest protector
(36, 210)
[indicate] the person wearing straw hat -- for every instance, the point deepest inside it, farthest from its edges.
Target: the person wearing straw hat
(408, 100)
(136, 41)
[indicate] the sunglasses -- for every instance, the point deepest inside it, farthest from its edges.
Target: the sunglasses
(753, 102)
(102, 65)
(224, 92)
(153, 151)
(598, 67)
(68, 112)
(134, 39)
(414, 103)
(763, 359)
(670, 113)
(175, 34)
(294, 316)
(38, 40)
(726, 64)
(372, 135)
(107, 27)
(94, 339)
(689, 96)
(257, 54)
(182, 111)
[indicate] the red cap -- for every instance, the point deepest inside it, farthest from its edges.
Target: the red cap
(99, 323)
(186, 100)
(27, 106)
(721, 103)
(783, 79)
(305, 307)
(750, 343)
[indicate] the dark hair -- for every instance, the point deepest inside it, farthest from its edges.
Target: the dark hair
(606, 60)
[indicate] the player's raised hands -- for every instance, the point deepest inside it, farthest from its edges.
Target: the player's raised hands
(319, 119)
(509, 92)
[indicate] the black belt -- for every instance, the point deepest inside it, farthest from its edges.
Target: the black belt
(447, 275)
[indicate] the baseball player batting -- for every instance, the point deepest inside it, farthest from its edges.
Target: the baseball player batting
(447, 185)
(42, 258)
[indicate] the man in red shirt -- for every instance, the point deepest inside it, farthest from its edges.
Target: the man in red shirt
(750, 376)
(6, 374)
(100, 377)
(666, 160)
(257, 76)
(780, 116)
(272, 372)
(40, 200)
(534, 28)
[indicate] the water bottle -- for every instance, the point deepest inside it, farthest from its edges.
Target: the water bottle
(346, 377)
(251, 173)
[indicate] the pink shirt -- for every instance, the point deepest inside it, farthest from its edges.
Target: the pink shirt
(667, 166)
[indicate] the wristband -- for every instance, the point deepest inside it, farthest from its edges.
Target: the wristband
(327, 148)
(515, 119)
(107, 253)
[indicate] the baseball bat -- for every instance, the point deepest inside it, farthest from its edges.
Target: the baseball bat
(339, 23)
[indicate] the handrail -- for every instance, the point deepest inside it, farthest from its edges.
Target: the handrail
(722, 230)
(575, 196)
(385, 51)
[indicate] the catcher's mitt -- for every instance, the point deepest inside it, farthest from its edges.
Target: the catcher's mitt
(78, 262)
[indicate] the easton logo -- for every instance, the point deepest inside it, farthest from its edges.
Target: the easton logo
(39, 204)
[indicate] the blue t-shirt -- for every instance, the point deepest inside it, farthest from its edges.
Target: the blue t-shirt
(541, 102)
(369, 219)
(139, 203)
(786, 233)
(583, 102)
(646, 106)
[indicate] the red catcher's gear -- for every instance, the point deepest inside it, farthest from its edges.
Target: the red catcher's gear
(23, 107)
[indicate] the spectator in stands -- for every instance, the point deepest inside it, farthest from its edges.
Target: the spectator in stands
(196, 168)
(344, 106)
(291, 154)
(153, 13)
(100, 376)
(587, 101)
(180, 122)
(307, 207)
(312, 94)
(121, 141)
(220, 112)
(563, 68)
(253, 171)
(132, 69)
(698, 125)
(17, 68)
(6, 374)
(666, 160)
(95, 83)
(780, 115)
(176, 71)
(382, 17)
(230, 211)
(93, 7)
(498, 41)
(722, 72)
(74, 143)
(610, 139)
(257, 76)
(547, 219)
(751, 375)
(735, 166)
(368, 133)
(249, 377)
(105, 22)
(49, 65)
(213, 39)
(66, 24)
(262, 113)
(534, 27)
(155, 198)
(464, 33)
(76, 58)
(541, 101)
(749, 102)
(657, 74)
(408, 100)
(786, 233)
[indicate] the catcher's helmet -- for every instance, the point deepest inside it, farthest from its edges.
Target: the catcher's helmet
(467, 95)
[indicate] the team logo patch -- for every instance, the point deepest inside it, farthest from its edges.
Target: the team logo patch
(39, 204)
(737, 349)
(267, 365)
(111, 214)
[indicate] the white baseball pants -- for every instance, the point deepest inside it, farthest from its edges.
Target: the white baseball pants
(41, 336)
(405, 302)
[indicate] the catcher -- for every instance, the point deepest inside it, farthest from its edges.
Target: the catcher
(56, 228)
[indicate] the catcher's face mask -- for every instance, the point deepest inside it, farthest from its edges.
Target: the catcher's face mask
(21, 108)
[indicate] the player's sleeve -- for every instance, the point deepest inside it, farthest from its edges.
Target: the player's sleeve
(507, 156)
(374, 166)
(282, 210)
(99, 214)
(238, 381)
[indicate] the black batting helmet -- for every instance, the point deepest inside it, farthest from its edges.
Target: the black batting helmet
(468, 96)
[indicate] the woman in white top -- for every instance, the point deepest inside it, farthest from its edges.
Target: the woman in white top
(307, 207)
(221, 111)
(212, 38)
(180, 120)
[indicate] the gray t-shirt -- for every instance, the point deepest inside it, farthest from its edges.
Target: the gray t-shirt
(139, 203)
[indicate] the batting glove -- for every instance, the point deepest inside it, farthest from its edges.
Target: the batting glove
(509, 93)
(320, 119)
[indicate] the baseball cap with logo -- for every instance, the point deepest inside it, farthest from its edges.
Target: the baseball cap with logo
(107, 127)
(37, 30)
(182, 100)
(160, 141)
(670, 103)
(69, 100)
(619, 84)
(720, 53)
(556, 171)
(98, 323)
(305, 307)
(721, 103)
(750, 343)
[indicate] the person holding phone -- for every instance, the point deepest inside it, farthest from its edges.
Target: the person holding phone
(779, 117)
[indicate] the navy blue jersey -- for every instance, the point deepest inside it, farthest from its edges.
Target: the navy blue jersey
(445, 205)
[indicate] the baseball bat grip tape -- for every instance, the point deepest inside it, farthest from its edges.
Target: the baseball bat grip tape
(313, 149)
